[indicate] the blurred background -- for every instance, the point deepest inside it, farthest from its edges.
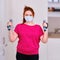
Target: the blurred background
(48, 10)
(54, 29)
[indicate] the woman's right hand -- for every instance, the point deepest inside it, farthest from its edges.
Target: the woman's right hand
(12, 34)
(10, 23)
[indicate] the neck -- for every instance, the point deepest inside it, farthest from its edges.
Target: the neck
(29, 23)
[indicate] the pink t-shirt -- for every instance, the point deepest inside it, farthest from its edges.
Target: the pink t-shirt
(29, 38)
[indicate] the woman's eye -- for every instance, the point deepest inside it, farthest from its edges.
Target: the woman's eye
(30, 15)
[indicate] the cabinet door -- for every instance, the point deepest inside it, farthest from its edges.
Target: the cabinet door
(54, 49)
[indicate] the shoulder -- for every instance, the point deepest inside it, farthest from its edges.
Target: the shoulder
(38, 25)
(18, 25)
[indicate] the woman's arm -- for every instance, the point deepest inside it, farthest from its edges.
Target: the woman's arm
(12, 36)
(44, 38)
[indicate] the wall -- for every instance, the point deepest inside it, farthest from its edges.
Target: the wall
(2, 17)
(54, 5)
(13, 9)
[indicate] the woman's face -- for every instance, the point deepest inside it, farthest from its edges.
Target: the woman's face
(28, 16)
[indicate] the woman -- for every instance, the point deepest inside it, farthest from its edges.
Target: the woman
(29, 35)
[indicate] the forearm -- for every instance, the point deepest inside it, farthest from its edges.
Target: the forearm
(12, 36)
(45, 37)
(45, 29)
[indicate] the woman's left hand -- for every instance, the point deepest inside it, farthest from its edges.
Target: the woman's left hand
(44, 38)
(45, 25)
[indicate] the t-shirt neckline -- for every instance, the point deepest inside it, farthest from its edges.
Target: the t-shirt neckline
(30, 25)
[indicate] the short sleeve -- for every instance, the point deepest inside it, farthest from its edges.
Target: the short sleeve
(16, 29)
